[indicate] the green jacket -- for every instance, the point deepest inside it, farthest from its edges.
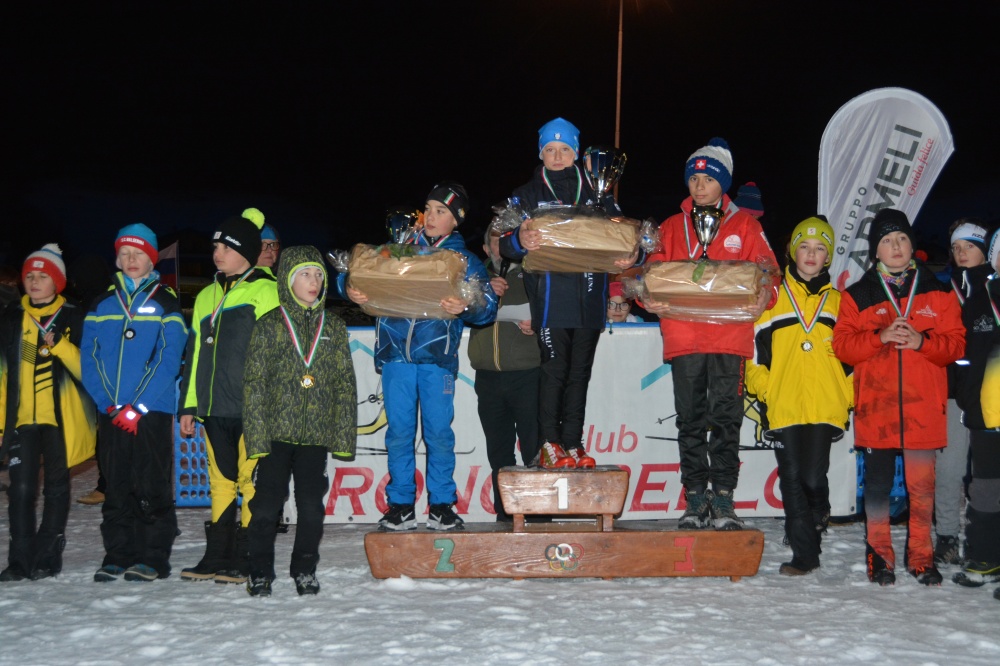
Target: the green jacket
(277, 405)
(501, 345)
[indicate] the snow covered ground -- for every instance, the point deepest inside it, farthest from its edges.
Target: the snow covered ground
(832, 617)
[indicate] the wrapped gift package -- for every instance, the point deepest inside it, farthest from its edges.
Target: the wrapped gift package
(711, 291)
(407, 281)
(580, 240)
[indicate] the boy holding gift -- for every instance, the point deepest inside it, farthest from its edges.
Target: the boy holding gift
(707, 358)
(131, 351)
(418, 360)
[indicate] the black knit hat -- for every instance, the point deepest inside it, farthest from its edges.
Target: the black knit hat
(886, 221)
(454, 197)
(242, 234)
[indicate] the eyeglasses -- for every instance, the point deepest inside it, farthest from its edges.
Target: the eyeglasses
(618, 307)
(272, 246)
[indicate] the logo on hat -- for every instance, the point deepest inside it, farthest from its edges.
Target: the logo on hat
(811, 231)
(37, 264)
(700, 164)
(558, 136)
(233, 241)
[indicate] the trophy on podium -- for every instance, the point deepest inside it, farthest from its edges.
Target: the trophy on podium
(706, 220)
(604, 166)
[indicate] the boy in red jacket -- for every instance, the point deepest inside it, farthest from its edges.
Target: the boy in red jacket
(708, 359)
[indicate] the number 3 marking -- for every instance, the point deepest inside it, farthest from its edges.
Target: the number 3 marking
(446, 546)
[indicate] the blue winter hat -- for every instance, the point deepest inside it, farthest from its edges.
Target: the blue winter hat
(994, 253)
(562, 130)
(269, 233)
(714, 160)
(748, 199)
(140, 236)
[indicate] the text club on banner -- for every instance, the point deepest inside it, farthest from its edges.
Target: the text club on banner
(883, 149)
(630, 422)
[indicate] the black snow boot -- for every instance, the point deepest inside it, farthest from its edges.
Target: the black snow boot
(218, 550)
(238, 567)
(878, 571)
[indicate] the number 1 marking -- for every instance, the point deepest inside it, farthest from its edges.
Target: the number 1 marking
(562, 485)
(446, 546)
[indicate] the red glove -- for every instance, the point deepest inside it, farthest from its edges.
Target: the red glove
(127, 419)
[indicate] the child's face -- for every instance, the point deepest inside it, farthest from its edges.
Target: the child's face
(705, 190)
(618, 309)
(39, 286)
(810, 258)
(308, 284)
(134, 263)
(227, 260)
(438, 220)
(966, 254)
(895, 251)
(557, 156)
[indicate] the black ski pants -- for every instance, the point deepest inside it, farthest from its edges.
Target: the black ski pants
(567, 362)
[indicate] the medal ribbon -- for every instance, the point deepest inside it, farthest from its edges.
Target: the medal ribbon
(798, 311)
(125, 306)
(687, 240)
(44, 327)
(306, 358)
(909, 302)
(958, 292)
(993, 306)
(218, 308)
(579, 184)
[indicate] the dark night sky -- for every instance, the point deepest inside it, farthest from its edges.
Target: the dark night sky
(323, 114)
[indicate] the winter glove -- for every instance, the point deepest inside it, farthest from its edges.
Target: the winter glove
(127, 419)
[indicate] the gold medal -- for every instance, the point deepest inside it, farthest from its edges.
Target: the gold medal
(210, 340)
(308, 381)
(807, 346)
(44, 351)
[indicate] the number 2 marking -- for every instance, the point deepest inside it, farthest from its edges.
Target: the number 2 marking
(447, 547)
(562, 485)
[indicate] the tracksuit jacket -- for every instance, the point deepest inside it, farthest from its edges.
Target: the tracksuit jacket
(979, 373)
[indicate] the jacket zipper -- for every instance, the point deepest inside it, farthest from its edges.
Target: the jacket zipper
(409, 338)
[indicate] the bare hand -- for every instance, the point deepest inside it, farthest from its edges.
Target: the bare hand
(530, 238)
(187, 425)
(763, 298)
(50, 338)
(499, 286)
(525, 326)
(627, 263)
(901, 335)
(454, 306)
(357, 296)
(655, 307)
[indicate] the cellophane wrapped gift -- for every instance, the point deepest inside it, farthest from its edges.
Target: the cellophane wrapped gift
(580, 240)
(706, 291)
(408, 281)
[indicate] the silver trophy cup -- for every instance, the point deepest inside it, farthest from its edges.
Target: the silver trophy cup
(604, 166)
(706, 220)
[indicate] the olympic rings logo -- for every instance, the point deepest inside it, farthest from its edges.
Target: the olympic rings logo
(564, 556)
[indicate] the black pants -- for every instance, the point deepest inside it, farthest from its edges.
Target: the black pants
(803, 464)
(567, 361)
(307, 465)
(508, 411)
(708, 394)
(140, 521)
(31, 447)
(982, 529)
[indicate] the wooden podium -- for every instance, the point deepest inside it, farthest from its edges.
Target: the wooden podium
(589, 544)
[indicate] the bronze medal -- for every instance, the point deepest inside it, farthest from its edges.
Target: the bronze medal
(308, 381)
(807, 346)
(210, 340)
(44, 351)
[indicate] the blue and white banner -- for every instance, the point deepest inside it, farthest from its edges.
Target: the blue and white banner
(883, 149)
(630, 422)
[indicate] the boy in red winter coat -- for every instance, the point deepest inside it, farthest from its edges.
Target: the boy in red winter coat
(708, 359)
(899, 327)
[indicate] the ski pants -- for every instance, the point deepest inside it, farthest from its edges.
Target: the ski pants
(918, 468)
(31, 448)
(950, 468)
(405, 386)
(803, 463)
(567, 363)
(708, 394)
(982, 529)
(229, 469)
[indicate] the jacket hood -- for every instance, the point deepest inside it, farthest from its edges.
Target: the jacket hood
(291, 261)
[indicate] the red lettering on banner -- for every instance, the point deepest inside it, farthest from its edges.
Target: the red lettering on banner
(643, 485)
(687, 564)
(486, 495)
(769, 496)
(622, 433)
(382, 504)
(621, 440)
(462, 503)
(338, 489)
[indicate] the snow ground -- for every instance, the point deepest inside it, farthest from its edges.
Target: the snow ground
(832, 617)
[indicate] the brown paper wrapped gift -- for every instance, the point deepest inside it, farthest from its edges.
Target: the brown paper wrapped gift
(720, 291)
(580, 240)
(407, 281)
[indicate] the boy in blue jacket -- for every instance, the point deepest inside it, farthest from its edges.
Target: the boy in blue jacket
(418, 359)
(133, 340)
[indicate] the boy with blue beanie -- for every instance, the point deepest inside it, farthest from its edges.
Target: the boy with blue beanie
(567, 309)
(133, 340)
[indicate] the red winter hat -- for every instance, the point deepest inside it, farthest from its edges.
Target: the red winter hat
(48, 260)
(615, 289)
